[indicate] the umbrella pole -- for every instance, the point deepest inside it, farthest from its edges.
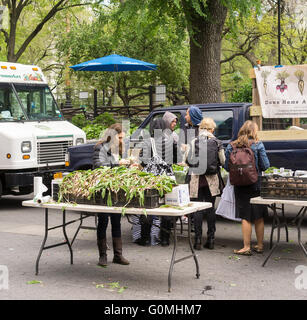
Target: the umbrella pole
(114, 88)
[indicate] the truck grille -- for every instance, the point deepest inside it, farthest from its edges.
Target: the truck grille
(51, 152)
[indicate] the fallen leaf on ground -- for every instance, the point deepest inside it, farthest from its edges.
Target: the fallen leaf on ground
(34, 282)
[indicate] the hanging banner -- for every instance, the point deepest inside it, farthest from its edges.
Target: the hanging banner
(282, 91)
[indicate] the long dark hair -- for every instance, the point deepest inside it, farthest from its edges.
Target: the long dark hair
(109, 137)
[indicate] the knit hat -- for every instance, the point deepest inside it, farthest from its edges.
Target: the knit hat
(195, 115)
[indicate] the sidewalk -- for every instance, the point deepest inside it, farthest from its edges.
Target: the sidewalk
(223, 275)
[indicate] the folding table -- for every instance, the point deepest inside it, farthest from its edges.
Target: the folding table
(280, 220)
(86, 211)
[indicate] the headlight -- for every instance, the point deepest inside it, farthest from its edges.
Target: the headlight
(79, 141)
(67, 159)
(26, 147)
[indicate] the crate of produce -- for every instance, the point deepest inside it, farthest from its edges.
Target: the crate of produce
(287, 188)
(118, 187)
(152, 199)
(84, 200)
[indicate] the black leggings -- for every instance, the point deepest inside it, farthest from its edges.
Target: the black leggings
(103, 220)
(204, 194)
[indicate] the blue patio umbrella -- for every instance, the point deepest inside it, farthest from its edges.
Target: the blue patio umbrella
(114, 63)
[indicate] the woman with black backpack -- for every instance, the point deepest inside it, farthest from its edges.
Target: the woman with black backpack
(245, 159)
(204, 157)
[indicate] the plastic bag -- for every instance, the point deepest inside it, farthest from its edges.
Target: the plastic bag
(227, 204)
(156, 165)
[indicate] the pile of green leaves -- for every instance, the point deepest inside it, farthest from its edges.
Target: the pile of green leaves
(106, 180)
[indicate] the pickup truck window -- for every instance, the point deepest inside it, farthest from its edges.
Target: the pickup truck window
(140, 134)
(160, 115)
(224, 122)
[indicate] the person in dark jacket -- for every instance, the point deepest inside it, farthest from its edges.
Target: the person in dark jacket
(205, 185)
(162, 141)
(193, 118)
(247, 137)
(107, 152)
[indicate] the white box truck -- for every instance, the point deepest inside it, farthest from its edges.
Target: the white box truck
(34, 136)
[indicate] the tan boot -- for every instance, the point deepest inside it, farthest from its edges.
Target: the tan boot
(118, 249)
(102, 248)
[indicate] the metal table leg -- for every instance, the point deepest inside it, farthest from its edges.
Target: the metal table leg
(191, 247)
(66, 242)
(299, 230)
(277, 223)
(275, 219)
(173, 256)
(43, 243)
(173, 261)
(66, 238)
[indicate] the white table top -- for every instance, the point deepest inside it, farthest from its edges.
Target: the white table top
(192, 207)
(260, 200)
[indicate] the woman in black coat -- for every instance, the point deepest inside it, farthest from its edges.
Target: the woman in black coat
(107, 152)
(162, 144)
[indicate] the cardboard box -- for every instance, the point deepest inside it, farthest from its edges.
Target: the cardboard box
(180, 196)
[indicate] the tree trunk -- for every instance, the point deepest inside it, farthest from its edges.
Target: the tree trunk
(205, 53)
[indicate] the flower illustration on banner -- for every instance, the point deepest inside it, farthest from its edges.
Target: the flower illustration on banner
(300, 76)
(282, 77)
(264, 75)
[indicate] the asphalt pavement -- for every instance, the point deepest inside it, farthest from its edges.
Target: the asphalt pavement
(223, 275)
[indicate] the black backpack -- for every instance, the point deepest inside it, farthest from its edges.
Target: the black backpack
(211, 147)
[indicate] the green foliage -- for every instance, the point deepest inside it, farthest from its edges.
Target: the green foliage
(80, 121)
(93, 131)
(242, 94)
(147, 39)
(105, 119)
(105, 180)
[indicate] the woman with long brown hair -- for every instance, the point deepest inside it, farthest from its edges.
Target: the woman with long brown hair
(107, 152)
(249, 213)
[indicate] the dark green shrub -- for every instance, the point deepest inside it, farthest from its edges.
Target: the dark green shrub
(105, 119)
(80, 121)
(243, 93)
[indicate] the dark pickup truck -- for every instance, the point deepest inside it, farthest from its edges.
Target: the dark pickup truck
(285, 148)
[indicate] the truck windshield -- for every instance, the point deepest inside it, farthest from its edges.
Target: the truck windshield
(10, 109)
(38, 102)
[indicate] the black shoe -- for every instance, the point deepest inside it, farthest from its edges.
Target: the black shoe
(143, 242)
(197, 244)
(209, 244)
(164, 243)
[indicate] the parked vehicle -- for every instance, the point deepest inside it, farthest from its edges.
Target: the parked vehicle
(34, 136)
(229, 118)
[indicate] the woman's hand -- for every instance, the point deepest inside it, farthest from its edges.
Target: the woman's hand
(124, 162)
(136, 165)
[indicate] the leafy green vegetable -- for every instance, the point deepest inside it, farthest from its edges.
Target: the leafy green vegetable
(106, 181)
